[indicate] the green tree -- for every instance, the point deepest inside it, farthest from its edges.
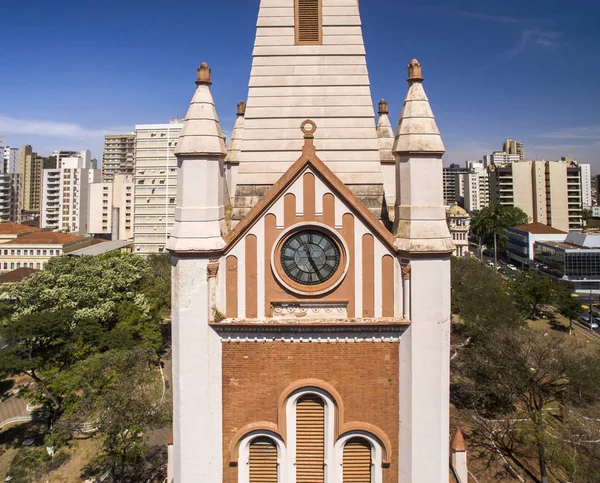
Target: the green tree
(569, 306)
(523, 375)
(531, 291)
(480, 297)
(120, 392)
(491, 221)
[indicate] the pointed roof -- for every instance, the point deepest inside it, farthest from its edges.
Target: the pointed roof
(233, 152)
(201, 134)
(307, 160)
(417, 131)
(385, 133)
(458, 443)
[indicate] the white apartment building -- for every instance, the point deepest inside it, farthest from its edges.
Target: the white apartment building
(476, 187)
(585, 173)
(500, 158)
(65, 192)
(10, 158)
(155, 178)
(10, 197)
(118, 155)
(111, 208)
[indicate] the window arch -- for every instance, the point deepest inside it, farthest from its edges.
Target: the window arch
(261, 458)
(359, 458)
(309, 28)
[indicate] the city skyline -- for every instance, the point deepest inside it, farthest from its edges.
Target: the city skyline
(494, 71)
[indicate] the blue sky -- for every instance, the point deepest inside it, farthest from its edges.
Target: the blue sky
(72, 71)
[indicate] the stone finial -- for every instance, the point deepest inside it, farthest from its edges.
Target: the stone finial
(414, 71)
(203, 74)
(383, 107)
(308, 127)
(458, 443)
(241, 108)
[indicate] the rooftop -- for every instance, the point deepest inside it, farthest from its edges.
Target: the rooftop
(100, 248)
(46, 238)
(17, 275)
(16, 229)
(540, 229)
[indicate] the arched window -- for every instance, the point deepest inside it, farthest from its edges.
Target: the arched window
(308, 22)
(356, 462)
(310, 439)
(261, 458)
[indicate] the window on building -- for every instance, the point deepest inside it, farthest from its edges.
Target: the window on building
(44, 252)
(310, 439)
(6, 252)
(18, 264)
(356, 462)
(37, 252)
(5, 265)
(12, 252)
(51, 252)
(262, 460)
(308, 22)
(12, 266)
(18, 253)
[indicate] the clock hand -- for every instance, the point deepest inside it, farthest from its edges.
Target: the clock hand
(314, 265)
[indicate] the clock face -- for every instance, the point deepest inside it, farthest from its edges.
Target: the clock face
(310, 257)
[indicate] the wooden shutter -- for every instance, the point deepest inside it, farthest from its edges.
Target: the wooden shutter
(263, 461)
(310, 439)
(308, 21)
(357, 461)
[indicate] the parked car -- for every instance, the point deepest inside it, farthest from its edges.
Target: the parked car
(589, 324)
(510, 266)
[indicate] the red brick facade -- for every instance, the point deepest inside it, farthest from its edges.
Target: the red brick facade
(365, 374)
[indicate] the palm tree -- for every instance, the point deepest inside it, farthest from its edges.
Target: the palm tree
(490, 221)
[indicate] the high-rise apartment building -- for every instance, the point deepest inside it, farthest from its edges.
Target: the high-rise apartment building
(498, 158)
(111, 208)
(10, 198)
(118, 155)
(510, 146)
(155, 191)
(476, 187)
(451, 178)
(31, 167)
(549, 192)
(65, 196)
(9, 158)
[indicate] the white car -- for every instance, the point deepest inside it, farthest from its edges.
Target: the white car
(586, 321)
(510, 266)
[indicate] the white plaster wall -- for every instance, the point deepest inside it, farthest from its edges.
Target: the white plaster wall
(197, 376)
(425, 375)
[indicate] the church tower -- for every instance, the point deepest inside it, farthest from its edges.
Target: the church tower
(311, 270)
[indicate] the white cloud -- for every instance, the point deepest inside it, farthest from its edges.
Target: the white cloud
(35, 127)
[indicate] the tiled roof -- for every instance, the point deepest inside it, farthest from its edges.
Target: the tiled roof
(46, 238)
(17, 275)
(16, 229)
(540, 229)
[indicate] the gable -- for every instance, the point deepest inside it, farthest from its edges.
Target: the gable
(308, 197)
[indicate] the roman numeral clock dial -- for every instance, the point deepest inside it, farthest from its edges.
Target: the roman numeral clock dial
(310, 257)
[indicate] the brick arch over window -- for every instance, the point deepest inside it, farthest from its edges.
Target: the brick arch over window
(309, 22)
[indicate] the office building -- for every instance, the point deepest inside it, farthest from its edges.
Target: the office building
(65, 196)
(155, 190)
(118, 156)
(111, 208)
(521, 240)
(31, 167)
(549, 192)
(452, 178)
(510, 146)
(351, 316)
(576, 260)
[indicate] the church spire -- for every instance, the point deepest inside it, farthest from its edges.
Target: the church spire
(200, 152)
(419, 221)
(417, 130)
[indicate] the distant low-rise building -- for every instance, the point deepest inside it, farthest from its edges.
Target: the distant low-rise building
(521, 240)
(576, 260)
(34, 249)
(458, 224)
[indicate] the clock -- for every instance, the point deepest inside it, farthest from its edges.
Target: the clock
(310, 257)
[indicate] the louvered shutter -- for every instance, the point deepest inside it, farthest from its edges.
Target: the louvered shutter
(263, 461)
(310, 439)
(357, 461)
(308, 21)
